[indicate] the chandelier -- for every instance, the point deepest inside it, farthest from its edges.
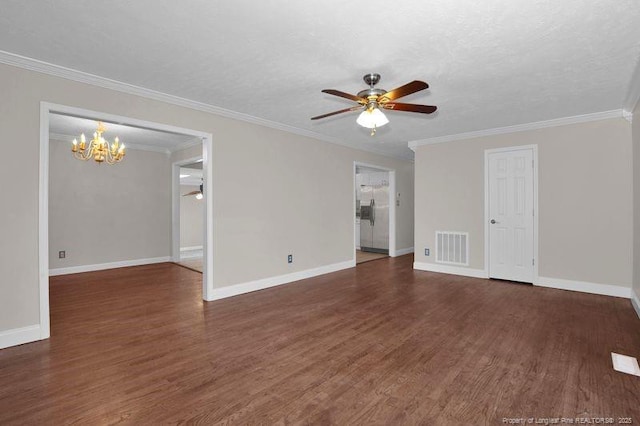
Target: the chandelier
(99, 148)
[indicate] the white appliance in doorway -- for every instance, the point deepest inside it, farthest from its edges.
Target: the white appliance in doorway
(511, 208)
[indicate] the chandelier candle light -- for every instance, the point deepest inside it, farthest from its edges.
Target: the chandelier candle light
(99, 148)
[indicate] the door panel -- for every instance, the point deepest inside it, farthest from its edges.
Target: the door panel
(511, 215)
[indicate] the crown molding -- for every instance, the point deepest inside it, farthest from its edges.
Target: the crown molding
(632, 99)
(31, 64)
(604, 115)
(133, 146)
(185, 145)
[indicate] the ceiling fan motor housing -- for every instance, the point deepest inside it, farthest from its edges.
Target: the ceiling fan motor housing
(371, 79)
(371, 94)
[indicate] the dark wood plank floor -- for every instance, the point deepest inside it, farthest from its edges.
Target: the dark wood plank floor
(376, 344)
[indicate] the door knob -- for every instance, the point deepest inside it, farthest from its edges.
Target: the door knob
(493, 221)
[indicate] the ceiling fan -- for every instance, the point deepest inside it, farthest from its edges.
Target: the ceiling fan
(372, 99)
(198, 193)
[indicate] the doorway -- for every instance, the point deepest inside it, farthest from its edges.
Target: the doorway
(374, 219)
(511, 213)
(46, 110)
(189, 223)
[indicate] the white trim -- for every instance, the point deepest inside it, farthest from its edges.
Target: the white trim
(556, 283)
(109, 265)
(236, 289)
(447, 269)
(59, 137)
(536, 215)
(597, 116)
(185, 145)
(584, 287)
(120, 119)
(392, 206)
(43, 223)
(195, 252)
(209, 229)
(18, 336)
(106, 83)
(635, 302)
(402, 252)
(632, 98)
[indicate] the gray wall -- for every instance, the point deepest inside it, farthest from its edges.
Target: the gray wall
(191, 218)
(585, 203)
(303, 188)
(101, 213)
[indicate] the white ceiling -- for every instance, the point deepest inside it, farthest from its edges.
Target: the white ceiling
(68, 127)
(489, 63)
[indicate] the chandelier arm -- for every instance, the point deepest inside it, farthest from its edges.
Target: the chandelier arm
(109, 159)
(84, 154)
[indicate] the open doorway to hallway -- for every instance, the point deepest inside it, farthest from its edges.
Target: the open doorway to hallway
(191, 215)
(373, 219)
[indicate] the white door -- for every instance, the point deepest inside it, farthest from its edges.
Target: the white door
(511, 226)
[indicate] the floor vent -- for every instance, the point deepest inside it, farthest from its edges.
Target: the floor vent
(452, 248)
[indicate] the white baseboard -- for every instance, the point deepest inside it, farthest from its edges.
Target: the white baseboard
(402, 252)
(110, 265)
(236, 289)
(557, 283)
(191, 252)
(448, 269)
(584, 287)
(18, 336)
(635, 302)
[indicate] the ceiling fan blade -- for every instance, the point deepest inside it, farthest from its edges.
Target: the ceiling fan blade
(345, 95)
(407, 89)
(337, 112)
(398, 106)
(191, 193)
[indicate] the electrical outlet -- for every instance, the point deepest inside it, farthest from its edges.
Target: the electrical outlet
(62, 254)
(290, 258)
(426, 252)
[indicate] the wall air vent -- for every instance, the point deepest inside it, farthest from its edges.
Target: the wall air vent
(452, 248)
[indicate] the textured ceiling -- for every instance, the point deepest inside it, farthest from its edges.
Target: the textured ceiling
(489, 63)
(70, 127)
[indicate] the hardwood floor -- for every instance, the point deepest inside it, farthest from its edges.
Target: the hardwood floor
(375, 344)
(364, 256)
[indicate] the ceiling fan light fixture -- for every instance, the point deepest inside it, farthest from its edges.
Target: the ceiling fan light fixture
(372, 118)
